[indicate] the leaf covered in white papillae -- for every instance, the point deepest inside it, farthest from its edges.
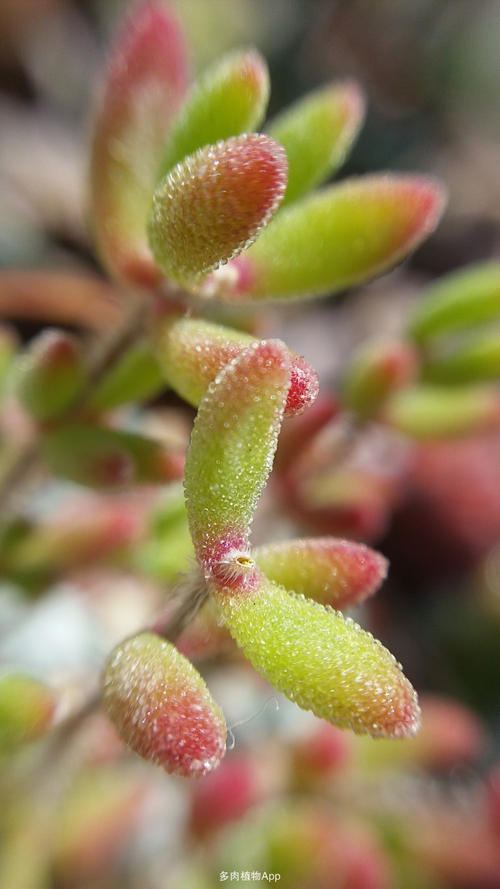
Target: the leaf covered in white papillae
(214, 203)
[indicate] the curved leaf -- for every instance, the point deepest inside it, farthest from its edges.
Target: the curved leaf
(232, 447)
(341, 236)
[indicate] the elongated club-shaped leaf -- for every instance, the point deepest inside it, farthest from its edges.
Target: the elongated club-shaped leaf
(341, 236)
(470, 362)
(317, 133)
(439, 411)
(230, 99)
(146, 80)
(232, 447)
(214, 203)
(136, 377)
(334, 572)
(460, 300)
(162, 708)
(319, 659)
(103, 457)
(192, 352)
(49, 375)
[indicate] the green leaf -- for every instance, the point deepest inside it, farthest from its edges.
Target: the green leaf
(230, 99)
(101, 457)
(192, 352)
(145, 83)
(317, 133)
(50, 374)
(331, 571)
(136, 377)
(214, 203)
(471, 362)
(458, 301)
(232, 447)
(375, 371)
(341, 236)
(441, 412)
(319, 659)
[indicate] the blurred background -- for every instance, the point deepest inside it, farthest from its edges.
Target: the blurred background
(294, 797)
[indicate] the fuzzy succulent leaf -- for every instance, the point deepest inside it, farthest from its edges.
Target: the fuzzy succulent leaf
(319, 659)
(375, 372)
(102, 457)
(49, 374)
(471, 362)
(26, 710)
(135, 377)
(317, 133)
(162, 708)
(440, 411)
(192, 352)
(335, 238)
(214, 203)
(232, 448)
(145, 83)
(460, 300)
(329, 570)
(229, 99)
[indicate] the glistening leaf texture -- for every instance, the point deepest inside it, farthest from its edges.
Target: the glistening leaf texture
(319, 659)
(232, 448)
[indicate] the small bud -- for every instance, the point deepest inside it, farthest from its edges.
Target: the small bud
(458, 301)
(317, 133)
(319, 659)
(102, 457)
(162, 708)
(146, 81)
(443, 412)
(334, 572)
(230, 99)
(338, 237)
(214, 204)
(232, 447)
(192, 352)
(376, 371)
(50, 374)
(26, 710)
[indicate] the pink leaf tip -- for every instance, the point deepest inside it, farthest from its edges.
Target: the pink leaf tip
(212, 205)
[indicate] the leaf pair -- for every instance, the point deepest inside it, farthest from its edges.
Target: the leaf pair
(314, 655)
